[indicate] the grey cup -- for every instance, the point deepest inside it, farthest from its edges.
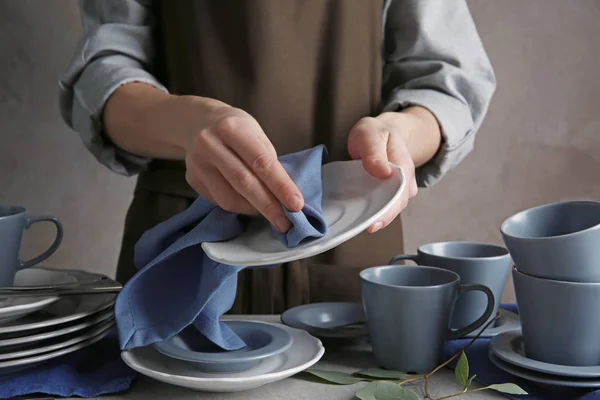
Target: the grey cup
(408, 314)
(477, 263)
(13, 223)
(556, 241)
(559, 320)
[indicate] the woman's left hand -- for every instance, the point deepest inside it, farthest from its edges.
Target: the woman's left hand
(377, 143)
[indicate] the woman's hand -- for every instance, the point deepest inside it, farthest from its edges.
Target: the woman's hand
(405, 139)
(231, 162)
(229, 159)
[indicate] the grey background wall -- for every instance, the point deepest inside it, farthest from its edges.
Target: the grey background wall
(540, 142)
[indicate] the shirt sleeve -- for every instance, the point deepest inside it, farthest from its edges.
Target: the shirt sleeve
(434, 58)
(116, 48)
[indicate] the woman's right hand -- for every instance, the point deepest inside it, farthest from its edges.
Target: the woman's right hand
(231, 162)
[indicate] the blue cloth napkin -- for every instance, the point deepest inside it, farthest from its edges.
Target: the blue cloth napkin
(178, 285)
(89, 372)
(488, 373)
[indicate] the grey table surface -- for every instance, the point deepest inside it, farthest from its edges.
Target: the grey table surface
(347, 359)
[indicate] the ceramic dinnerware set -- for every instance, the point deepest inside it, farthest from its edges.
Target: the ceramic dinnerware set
(454, 290)
(556, 252)
(37, 322)
(407, 311)
(273, 352)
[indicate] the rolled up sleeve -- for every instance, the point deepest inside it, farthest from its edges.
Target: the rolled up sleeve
(116, 48)
(434, 58)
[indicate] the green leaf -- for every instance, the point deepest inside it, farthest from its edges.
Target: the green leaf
(461, 372)
(367, 392)
(391, 391)
(382, 374)
(339, 378)
(509, 388)
(469, 382)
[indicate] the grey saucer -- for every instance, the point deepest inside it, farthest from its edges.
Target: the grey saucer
(541, 378)
(509, 347)
(328, 320)
(262, 341)
(508, 321)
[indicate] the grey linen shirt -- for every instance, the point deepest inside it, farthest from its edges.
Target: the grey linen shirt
(432, 57)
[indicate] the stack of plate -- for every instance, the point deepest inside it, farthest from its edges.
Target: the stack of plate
(40, 328)
(507, 352)
(273, 352)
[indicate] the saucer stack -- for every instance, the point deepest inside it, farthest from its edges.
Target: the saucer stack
(38, 328)
(507, 352)
(556, 252)
(272, 352)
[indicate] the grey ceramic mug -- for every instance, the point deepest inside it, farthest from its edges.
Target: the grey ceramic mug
(560, 320)
(13, 223)
(477, 263)
(556, 241)
(408, 309)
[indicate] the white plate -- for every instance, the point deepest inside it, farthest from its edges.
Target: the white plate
(11, 366)
(51, 334)
(352, 201)
(15, 307)
(56, 343)
(67, 309)
(306, 350)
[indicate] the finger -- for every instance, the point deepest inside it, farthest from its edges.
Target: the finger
(223, 194)
(399, 155)
(195, 181)
(389, 216)
(247, 142)
(414, 189)
(369, 145)
(243, 180)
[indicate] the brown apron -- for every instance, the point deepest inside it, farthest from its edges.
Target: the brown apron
(307, 70)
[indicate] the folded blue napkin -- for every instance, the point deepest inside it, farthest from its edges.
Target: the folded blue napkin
(178, 285)
(488, 373)
(89, 372)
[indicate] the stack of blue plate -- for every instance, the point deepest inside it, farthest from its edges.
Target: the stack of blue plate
(507, 352)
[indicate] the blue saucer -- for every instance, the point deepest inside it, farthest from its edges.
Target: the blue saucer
(328, 320)
(262, 341)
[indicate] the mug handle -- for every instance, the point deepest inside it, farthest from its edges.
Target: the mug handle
(51, 249)
(400, 257)
(486, 314)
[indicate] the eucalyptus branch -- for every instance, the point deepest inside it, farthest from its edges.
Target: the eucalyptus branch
(414, 379)
(454, 357)
(461, 393)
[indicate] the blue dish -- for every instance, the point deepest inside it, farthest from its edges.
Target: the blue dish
(262, 341)
(510, 348)
(328, 320)
(552, 382)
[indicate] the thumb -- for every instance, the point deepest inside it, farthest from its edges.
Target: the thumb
(371, 148)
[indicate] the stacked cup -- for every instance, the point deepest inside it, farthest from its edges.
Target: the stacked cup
(556, 274)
